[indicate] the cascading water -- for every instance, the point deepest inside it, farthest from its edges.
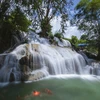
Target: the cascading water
(39, 60)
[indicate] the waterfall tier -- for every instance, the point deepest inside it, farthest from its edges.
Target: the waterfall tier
(36, 60)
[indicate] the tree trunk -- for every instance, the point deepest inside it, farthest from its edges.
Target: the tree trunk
(45, 27)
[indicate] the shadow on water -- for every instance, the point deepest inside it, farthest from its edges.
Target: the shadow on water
(62, 89)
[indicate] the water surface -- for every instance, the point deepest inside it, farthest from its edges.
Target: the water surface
(62, 88)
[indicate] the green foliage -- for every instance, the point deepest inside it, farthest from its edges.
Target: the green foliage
(19, 20)
(74, 40)
(12, 23)
(51, 37)
(58, 35)
(82, 41)
(67, 39)
(42, 12)
(88, 19)
(15, 15)
(45, 27)
(46, 10)
(84, 37)
(92, 49)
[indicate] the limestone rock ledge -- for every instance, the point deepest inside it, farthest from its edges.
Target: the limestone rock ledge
(36, 76)
(33, 77)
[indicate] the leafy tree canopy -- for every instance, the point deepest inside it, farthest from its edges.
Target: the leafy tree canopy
(45, 10)
(12, 23)
(15, 16)
(88, 19)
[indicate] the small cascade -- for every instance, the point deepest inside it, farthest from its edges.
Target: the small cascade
(88, 60)
(10, 69)
(57, 60)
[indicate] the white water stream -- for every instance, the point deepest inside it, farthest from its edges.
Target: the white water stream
(45, 59)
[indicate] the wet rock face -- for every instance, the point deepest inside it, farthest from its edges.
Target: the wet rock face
(32, 77)
(12, 78)
(24, 61)
(24, 67)
(90, 55)
(2, 59)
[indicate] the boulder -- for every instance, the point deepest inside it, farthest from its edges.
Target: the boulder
(12, 78)
(24, 60)
(36, 76)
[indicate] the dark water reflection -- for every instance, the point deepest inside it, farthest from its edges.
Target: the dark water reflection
(62, 89)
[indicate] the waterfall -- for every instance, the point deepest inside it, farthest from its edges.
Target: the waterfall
(36, 60)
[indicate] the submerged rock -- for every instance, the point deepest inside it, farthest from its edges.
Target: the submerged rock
(32, 77)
